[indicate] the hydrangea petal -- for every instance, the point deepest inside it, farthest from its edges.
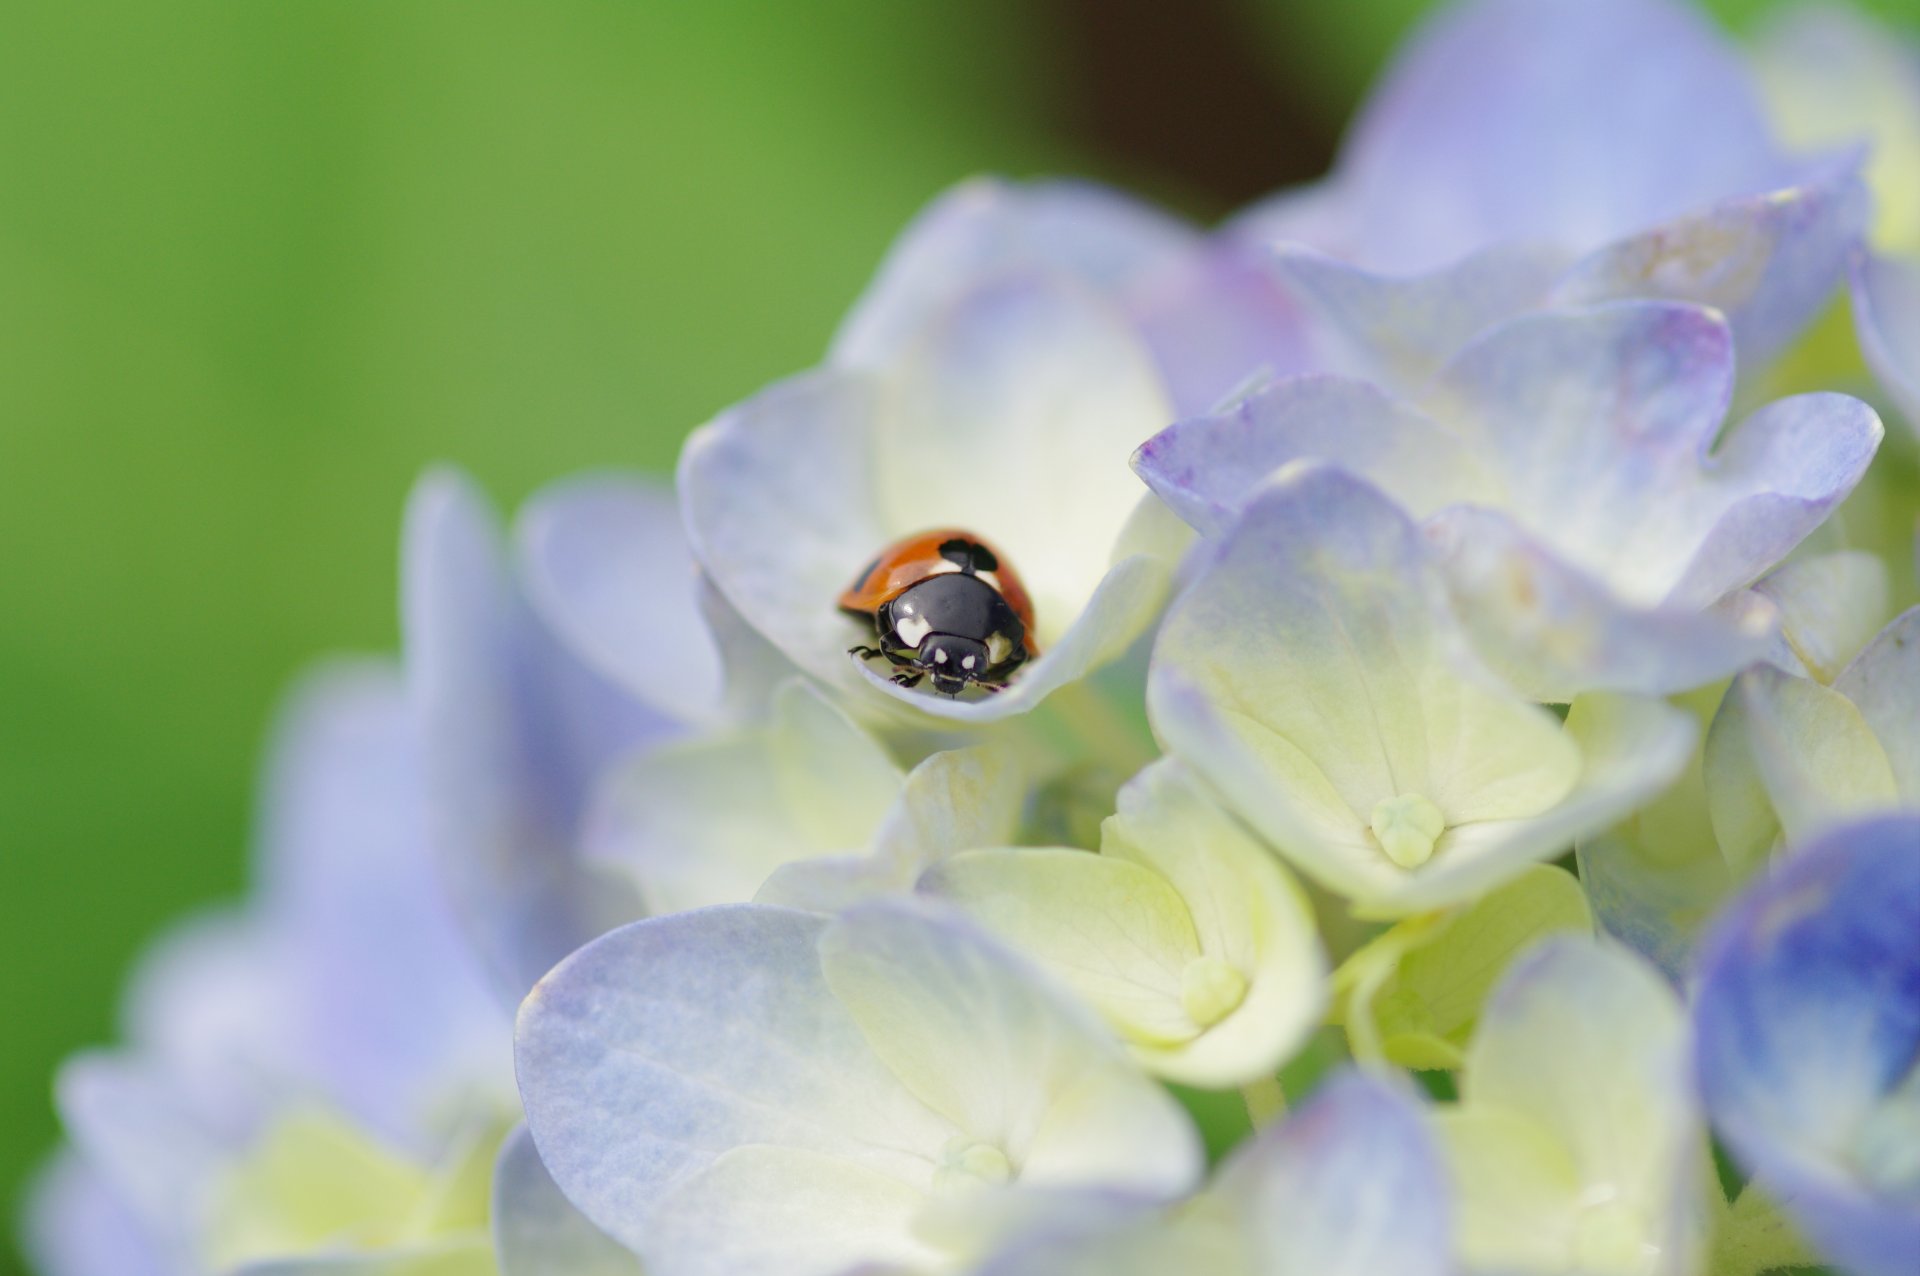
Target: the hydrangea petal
(1629, 747)
(1399, 330)
(658, 1048)
(1886, 313)
(790, 1212)
(1034, 380)
(955, 800)
(536, 1230)
(1106, 240)
(1769, 261)
(1351, 1185)
(1548, 120)
(707, 821)
(75, 1224)
(1553, 630)
(792, 468)
(1787, 757)
(157, 1157)
(1206, 468)
(1884, 682)
(1807, 1025)
(1587, 1044)
(1830, 605)
(513, 728)
(984, 1040)
(607, 567)
(358, 977)
(1117, 933)
(1246, 910)
(1597, 418)
(1833, 76)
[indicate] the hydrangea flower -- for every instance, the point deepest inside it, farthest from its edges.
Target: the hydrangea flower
(1808, 1028)
(1314, 676)
(318, 1075)
(1597, 529)
(1184, 932)
(1575, 1146)
(751, 1089)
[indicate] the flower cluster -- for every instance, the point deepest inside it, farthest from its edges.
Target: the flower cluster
(1462, 773)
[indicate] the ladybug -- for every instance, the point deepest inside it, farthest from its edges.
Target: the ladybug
(945, 605)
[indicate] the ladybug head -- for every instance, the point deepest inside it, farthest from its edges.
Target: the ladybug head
(953, 662)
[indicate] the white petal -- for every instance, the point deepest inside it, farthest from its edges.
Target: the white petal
(956, 800)
(779, 495)
(788, 1212)
(1246, 910)
(1115, 932)
(1884, 681)
(1208, 467)
(1587, 1043)
(1789, 757)
(707, 821)
(1831, 605)
(536, 1230)
(607, 566)
(1107, 241)
(1397, 331)
(657, 1049)
(1022, 382)
(986, 1041)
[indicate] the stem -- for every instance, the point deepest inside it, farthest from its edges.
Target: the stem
(1266, 1101)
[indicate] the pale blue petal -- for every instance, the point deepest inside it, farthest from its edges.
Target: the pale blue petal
(1398, 330)
(381, 1000)
(1807, 1028)
(1554, 631)
(792, 470)
(1107, 241)
(514, 729)
(74, 1225)
(537, 1231)
(1769, 262)
(1206, 468)
(156, 1156)
(1884, 681)
(1598, 421)
(1351, 1185)
(1549, 120)
(1886, 314)
(656, 1049)
(608, 569)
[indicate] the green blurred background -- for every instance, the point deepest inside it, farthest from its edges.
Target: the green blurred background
(262, 262)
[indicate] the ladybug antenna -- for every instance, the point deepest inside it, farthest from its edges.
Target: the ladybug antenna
(970, 557)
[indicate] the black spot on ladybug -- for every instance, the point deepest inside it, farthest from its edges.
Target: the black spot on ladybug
(969, 556)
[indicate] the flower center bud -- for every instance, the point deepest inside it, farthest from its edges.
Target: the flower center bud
(1407, 827)
(1210, 990)
(968, 1163)
(1611, 1237)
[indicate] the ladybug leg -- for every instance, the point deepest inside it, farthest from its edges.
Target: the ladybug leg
(865, 652)
(907, 679)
